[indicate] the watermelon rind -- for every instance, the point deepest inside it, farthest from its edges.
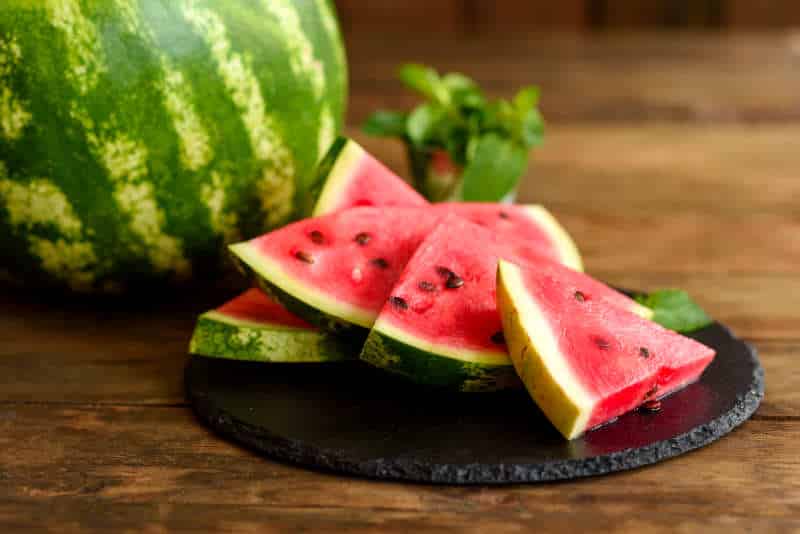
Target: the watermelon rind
(218, 335)
(558, 393)
(466, 371)
(347, 168)
(307, 302)
(337, 163)
(334, 173)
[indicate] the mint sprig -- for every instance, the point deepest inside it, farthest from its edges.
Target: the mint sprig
(489, 139)
(674, 309)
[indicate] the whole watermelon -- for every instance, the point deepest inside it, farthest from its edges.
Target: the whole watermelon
(137, 137)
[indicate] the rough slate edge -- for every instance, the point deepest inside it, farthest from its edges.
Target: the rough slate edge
(336, 461)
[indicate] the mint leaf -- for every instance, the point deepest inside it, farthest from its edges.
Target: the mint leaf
(455, 81)
(532, 128)
(674, 309)
(426, 81)
(385, 123)
(494, 169)
(422, 123)
(526, 99)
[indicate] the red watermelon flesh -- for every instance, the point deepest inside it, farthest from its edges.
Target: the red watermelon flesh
(583, 360)
(344, 264)
(352, 177)
(531, 222)
(255, 306)
(449, 291)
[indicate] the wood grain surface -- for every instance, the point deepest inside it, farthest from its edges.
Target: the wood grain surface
(95, 435)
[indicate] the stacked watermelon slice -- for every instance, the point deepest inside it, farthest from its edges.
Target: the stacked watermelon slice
(473, 297)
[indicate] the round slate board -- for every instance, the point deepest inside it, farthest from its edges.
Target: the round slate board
(353, 419)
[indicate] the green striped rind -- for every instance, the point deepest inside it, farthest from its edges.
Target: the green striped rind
(433, 369)
(323, 172)
(138, 136)
(219, 337)
(352, 332)
(336, 180)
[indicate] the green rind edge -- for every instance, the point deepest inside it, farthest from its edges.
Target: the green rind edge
(353, 333)
(432, 369)
(217, 339)
(324, 168)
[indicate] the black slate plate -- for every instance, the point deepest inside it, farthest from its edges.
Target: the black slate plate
(353, 419)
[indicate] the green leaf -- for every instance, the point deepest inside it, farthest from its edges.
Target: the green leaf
(526, 99)
(463, 91)
(674, 309)
(505, 110)
(455, 138)
(385, 123)
(426, 81)
(455, 81)
(496, 166)
(422, 123)
(532, 129)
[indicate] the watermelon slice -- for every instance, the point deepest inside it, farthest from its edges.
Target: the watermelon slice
(583, 360)
(348, 176)
(254, 327)
(440, 326)
(336, 271)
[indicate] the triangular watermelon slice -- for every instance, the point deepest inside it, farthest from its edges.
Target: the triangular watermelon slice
(336, 271)
(583, 360)
(348, 176)
(254, 327)
(440, 325)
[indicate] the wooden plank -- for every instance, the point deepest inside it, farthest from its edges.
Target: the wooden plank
(659, 169)
(131, 467)
(53, 354)
(442, 17)
(700, 243)
(616, 77)
(742, 14)
(664, 13)
(629, 13)
(87, 515)
(523, 16)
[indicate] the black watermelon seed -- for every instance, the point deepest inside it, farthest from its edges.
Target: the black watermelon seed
(398, 303)
(652, 391)
(503, 215)
(317, 237)
(444, 271)
(304, 256)
(651, 406)
(498, 338)
(380, 263)
(601, 343)
(426, 286)
(363, 238)
(454, 281)
(644, 352)
(579, 296)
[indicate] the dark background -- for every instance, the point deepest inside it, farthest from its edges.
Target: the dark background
(476, 17)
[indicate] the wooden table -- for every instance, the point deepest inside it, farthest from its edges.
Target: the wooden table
(673, 160)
